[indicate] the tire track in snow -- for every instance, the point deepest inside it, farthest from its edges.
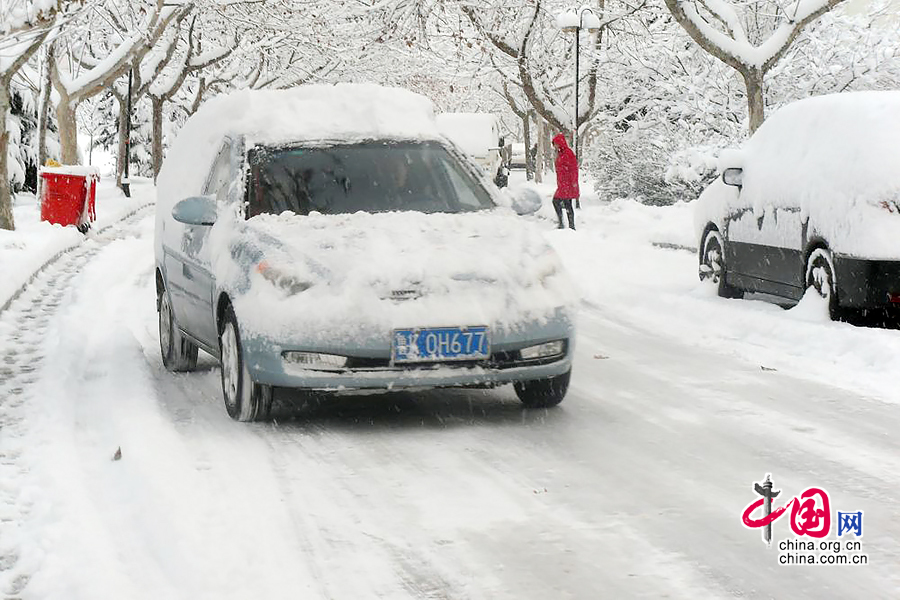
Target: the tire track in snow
(23, 325)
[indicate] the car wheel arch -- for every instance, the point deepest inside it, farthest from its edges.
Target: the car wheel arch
(222, 303)
(711, 226)
(812, 247)
(160, 285)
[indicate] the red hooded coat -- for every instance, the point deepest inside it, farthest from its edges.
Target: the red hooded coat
(566, 170)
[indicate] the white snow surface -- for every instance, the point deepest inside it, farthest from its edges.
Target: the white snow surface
(835, 158)
(34, 242)
(489, 267)
(632, 488)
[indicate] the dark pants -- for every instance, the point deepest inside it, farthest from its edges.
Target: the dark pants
(558, 204)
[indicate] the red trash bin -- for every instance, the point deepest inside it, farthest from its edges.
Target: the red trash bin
(68, 194)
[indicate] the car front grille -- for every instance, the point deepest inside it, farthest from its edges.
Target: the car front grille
(497, 361)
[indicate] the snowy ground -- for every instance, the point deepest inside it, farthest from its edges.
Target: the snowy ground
(633, 487)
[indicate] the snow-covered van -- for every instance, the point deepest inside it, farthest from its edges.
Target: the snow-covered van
(478, 135)
(329, 238)
(811, 200)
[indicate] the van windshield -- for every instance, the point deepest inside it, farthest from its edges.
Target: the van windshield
(370, 177)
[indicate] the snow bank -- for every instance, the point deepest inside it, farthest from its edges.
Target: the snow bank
(835, 158)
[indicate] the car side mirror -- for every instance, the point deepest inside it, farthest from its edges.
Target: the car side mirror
(196, 210)
(733, 176)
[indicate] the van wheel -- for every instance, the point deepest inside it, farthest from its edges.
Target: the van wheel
(245, 400)
(712, 264)
(178, 353)
(820, 277)
(543, 393)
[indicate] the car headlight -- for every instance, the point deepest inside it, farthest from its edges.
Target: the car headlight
(544, 350)
(284, 281)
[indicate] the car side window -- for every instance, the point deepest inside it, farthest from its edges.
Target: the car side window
(220, 174)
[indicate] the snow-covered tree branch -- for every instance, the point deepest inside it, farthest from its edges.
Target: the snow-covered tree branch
(721, 29)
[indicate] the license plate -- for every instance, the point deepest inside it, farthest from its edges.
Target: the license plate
(434, 344)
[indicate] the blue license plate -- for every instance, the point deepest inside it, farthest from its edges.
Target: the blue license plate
(434, 344)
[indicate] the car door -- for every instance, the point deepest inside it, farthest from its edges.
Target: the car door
(763, 248)
(197, 277)
(781, 236)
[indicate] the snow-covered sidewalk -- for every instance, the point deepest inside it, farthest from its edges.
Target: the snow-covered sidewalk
(34, 242)
(638, 263)
(633, 487)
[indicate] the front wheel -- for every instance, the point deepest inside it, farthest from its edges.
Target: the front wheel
(820, 277)
(543, 393)
(712, 264)
(245, 400)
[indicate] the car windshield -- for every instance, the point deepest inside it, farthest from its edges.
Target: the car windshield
(371, 177)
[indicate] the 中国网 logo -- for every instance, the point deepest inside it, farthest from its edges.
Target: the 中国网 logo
(811, 522)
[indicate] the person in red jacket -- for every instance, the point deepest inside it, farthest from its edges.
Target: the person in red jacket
(566, 180)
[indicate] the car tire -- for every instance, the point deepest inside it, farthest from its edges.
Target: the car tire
(543, 393)
(178, 353)
(712, 264)
(245, 400)
(820, 277)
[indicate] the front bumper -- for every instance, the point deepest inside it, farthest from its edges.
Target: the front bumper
(869, 284)
(370, 368)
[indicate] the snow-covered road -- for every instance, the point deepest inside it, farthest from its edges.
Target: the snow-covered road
(633, 487)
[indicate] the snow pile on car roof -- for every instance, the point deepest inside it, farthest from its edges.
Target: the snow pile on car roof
(836, 148)
(342, 112)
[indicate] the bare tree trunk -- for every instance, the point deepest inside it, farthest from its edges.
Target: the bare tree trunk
(539, 155)
(122, 133)
(756, 105)
(549, 162)
(157, 145)
(6, 215)
(68, 133)
(44, 112)
(526, 127)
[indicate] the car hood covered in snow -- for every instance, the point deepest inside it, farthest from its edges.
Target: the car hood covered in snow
(343, 276)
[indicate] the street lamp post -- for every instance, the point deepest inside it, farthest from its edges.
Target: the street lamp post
(126, 180)
(574, 20)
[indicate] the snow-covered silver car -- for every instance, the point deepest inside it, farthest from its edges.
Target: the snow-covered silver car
(810, 201)
(362, 255)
